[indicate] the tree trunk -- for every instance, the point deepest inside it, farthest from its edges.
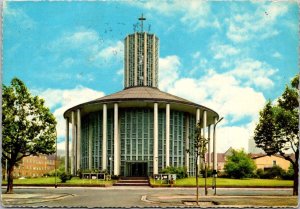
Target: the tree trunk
(296, 180)
(205, 178)
(197, 184)
(10, 179)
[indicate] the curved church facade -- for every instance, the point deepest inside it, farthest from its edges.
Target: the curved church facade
(140, 130)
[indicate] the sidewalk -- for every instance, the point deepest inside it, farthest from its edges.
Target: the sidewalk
(220, 201)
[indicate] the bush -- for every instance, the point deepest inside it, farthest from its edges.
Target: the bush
(64, 177)
(222, 175)
(209, 173)
(289, 175)
(239, 165)
(272, 173)
(181, 172)
(260, 173)
(275, 172)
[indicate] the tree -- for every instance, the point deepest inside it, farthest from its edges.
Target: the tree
(28, 127)
(277, 131)
(239, 165)
(200, 144)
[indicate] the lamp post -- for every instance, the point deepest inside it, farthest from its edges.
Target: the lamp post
(110, 164)
(215, 155)
(55, 158)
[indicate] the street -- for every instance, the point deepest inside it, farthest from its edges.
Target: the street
(121, 196)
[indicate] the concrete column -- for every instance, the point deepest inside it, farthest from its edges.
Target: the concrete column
(208, 150)
(187, 143)
(67, 164)
(104, 138)
(155, 136)
(135, 60)
(153, 62)
(145, 59)
(204, 124)
(90, 146)
(116, 141)
(214, 146)
(167, 135)
(73, 143)
(127, 62)
(78, 156)
(197, 121)
(197, 116)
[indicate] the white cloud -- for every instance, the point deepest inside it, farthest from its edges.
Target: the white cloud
(222, 51)
(168, 71)
(84, 39)
(18, 15)
(223, 92)
(254, 72)
(62, 99)
(256, 25)
(115, 50)
(277, 55)
(225, 95)
(194, 13)
(86, 45)
(120, 72)
(232, 136)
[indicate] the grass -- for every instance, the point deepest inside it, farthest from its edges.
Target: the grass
(191, 181)
(51, 180)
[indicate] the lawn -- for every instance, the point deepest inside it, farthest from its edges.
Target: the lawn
(191, 181)
(51, 180)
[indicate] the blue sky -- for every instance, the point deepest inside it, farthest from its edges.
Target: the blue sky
(229, 56)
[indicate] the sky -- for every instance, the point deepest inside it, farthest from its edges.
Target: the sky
(231, 56)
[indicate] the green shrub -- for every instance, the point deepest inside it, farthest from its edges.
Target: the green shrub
(181, 172)
(289, 174)
(239, 165)
(64, 177)
(209, 172)
(222, 174)
(274, 172)
(260, 173)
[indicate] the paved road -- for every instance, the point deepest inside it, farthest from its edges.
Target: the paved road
(118, 196)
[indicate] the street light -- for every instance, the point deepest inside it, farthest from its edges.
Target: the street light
(55, 158)
(110, 164)
(215, 155)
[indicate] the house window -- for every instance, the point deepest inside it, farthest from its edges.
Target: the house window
(274, 162)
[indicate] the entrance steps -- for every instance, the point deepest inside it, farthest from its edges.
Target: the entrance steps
(132, 181)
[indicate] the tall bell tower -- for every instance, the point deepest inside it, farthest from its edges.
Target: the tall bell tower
(141, 58)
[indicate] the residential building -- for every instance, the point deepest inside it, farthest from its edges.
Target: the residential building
(35, 166)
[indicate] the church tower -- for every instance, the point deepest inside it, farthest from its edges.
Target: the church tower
(141, 59)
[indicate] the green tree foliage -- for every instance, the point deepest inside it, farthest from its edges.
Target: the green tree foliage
(275, 172)
(239, 165)
(181, 172)
(64, 177)
(278, 130)
(28, 127)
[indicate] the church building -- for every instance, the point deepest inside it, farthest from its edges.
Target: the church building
(139, 130)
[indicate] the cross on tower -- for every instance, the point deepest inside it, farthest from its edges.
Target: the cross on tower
(142, 19)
